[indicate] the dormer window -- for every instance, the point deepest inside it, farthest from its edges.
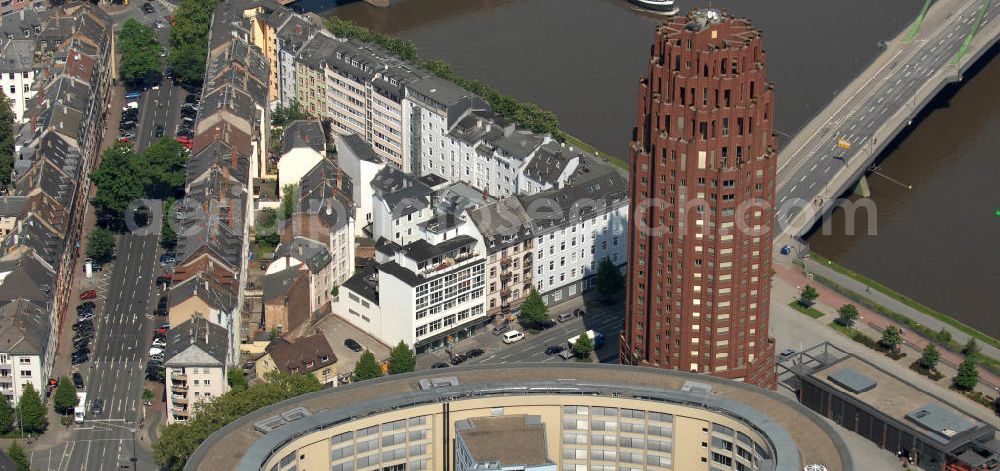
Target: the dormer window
(324, 358)
(310, 364)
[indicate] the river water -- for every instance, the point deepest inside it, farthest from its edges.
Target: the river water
(582, 59)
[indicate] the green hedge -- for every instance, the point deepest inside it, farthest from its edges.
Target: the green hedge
(805, 310)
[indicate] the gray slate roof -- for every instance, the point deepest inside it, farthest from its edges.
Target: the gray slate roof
(398, 188)
(300, 134)
(276, 285)
(313, 254)
(502, 224)
(196, 342)
(361, 148)
(553, 209)
(24, 328)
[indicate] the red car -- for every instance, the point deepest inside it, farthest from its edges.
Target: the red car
(163, 329)
(90, 294)
(184, 139)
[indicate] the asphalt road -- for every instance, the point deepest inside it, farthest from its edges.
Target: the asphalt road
(608, 320)
(159, 107)
(805, 174)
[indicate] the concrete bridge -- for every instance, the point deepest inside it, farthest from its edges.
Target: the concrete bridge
(834, 151)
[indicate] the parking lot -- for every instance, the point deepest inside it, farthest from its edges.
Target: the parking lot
(336, 331)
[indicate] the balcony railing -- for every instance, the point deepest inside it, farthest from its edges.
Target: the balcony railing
(179, 387)
(505, 293)
(505, 261)
(179, 399)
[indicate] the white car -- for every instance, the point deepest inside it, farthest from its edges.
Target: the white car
(159, 343)
(155, 351)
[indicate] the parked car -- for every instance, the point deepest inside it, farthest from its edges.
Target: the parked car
(132, 105)
(148, 8)
(163, 328)
(159, 343)
(512, 336)
(81, 312)
(97, 407)
(578, 312)
(787, 353)
(133, 95)
(84, 350)
(554, 349)
(191, 99)
(189, 111)
(353, 345)
(89, 294)
(475, 352)
(497, 330)
(159, 131)
(78, 380)
(546, 324)
(458, 359)
(185, 133)
(128, 134)
(566, 316)
(439, 365)
(167, 259)
(83, 325)
(155, 373)
(79, 358)
(85, 306)
(81, 343)
(164, 280)
(86, 316)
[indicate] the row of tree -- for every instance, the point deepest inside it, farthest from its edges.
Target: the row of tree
(179, 440)
(528, 115)
(967, 376)
(141, 51)
(189, 40)
(29, 416)
(125, 176)
(402, 359)
(7, 135)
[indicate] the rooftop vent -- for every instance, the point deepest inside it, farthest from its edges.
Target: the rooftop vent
(442, 382)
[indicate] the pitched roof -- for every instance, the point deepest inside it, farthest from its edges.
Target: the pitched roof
(313, 254)
(206, 288)
(303, 355)
(553, 209)
(277, 285)
(300, 134)
(24, 328)
(196, 342)
(27, 278)
(320, 196)
(502, 224)
(397, 188)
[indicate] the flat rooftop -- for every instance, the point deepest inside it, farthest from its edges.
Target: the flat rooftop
(815, 440)
(896, 399)
(509, 440)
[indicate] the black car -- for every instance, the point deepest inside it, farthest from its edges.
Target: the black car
(189, 111)
(77, 359)
(475, 352)
(439, 365)
(160, 312)
(546, 324)
(554, 349)
(185, 133)
(155, 372)
(148, 8)
(353, 345)
(97, 407)
(458, 359)
(81, 344)
(82, 336)
(85, 305)
(163, 302)
(82, 351)
(159, 131)
(78, 380)
(82, 325)
(85, 329)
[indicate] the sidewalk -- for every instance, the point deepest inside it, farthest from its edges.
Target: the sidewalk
(829, 301)
(894, 305)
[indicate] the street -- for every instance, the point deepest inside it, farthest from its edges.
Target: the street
(159, 107)
(805, 171)
(603, 318)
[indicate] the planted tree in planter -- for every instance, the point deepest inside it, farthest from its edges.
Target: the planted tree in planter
(808, 296)
(847, 314)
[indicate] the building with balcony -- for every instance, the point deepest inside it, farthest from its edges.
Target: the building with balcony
(427, 294)
(575, 228)
(700, 252)
(17, 73)
(580, 416)
(505, 234)
(305, 355)
(27, 348)
(195, 361)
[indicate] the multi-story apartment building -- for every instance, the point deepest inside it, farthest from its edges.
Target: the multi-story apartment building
(312, 257)
(291, 36)
(400, 203)
(27, 348)
(359, 162)
(310, 74)
(365, 96)
(303, 145)
(700, 264)
(196, 366)
(574, 229)
(324, 214)
(18, 64)
(9, 7)
(428, 294)
(505, 233)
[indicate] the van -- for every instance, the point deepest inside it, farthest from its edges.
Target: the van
(565, 316)
(512, 336)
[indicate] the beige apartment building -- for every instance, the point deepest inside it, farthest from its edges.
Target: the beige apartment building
(594, 417)
(505, 230)
(195, 362)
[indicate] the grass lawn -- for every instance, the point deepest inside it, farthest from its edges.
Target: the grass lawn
(979, 336)
(806, 310)
(618, 162)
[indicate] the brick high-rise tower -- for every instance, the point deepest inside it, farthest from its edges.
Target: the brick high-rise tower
(702, 191)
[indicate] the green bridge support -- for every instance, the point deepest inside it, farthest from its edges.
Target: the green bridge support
(862, 189)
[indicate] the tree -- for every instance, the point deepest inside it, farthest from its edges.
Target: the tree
(267, 230)
(967, 377)
(808, 296)
(891, 338)
(65, 398)
(7, 136)
(367, 367)
(533, 309)
(930, 357)
(971, 348)
(282, 115)
(943, 336)
(118, 182)
(237, 379)
(402, 359)
(583, 346)
(164, 170)
(178, 441)
(100, 244)
(168, 236)
(30, 411)
(17, 455)
(847, 314)
(290, 196)
(6, 416)
(189, 39)
(610, 281)
(140, 52)
(148, 395)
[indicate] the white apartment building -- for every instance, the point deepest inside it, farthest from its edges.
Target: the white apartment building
(195, 363)
(27, 348)
(325, 214)
(574, 229)
(400, 203)
(17, 73)
(364, 91)
(427, 295)
(303, 145)
(360, 162)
